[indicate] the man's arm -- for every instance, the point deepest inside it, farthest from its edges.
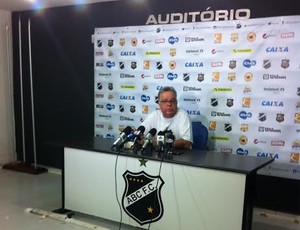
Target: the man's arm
(182, 144)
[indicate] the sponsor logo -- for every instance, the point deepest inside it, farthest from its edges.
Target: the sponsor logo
(193, 112)
(160, 40)
(243, 140)
(218, 138)
(268, 130)
(243, 152)
(216, 64)
(241, 51)
(279, 49)
(128, 53)
(272, 103)
(249, 63)
(194, 51)
(273, 76)
(189, 88)
(145, 98)
(262, 117)
(172, 40)
(219, 114)
(127, 86)
(268, 155)
(245, 115)
(193, 39)
(110, 106)
(226, 150)
(247, 90)
(159, 76)
(123, 118)
(104, 74)
(274, 90)
(287, 35)
(244, 127)
(277, 143)
(296, 145)
(123, 75)
(152, 53)
(130, 98)
(285, 63)
(192, 100)
(257, 141)
(222, 89)
(110, 64)
(193, 64)
(172, 76)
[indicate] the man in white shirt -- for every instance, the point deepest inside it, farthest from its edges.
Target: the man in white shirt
(170, 117)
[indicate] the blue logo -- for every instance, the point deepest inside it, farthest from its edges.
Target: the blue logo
(172, 76)
(241, 151)
(145, 98)
(193, 112)
(124, 97)
(244, 115)
(270, 155)
(110, 64)
(272, 103)
(110, 136)
(172, 40)
(248, 63)
(110, 106)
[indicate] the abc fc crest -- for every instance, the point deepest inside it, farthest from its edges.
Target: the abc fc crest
(142, 197)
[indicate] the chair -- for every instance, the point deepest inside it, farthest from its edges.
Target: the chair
(200, 136)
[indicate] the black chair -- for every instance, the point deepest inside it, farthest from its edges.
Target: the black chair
(200, 136)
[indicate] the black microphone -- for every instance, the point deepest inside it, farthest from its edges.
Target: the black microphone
(123, 137)
(160, 140)
(138, 134)
(170, 138)
(149, 138)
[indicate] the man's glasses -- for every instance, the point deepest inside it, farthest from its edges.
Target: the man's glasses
(165, 102)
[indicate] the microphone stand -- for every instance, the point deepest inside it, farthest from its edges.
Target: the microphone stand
(147, 150)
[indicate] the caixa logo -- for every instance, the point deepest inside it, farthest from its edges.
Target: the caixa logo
(110, 106)
(110, 64)
(244, 115)
(241, 151)
(172, 40)
(270, 155)
(145, 98)
(172, 76)
(110, 136)
(248, 63)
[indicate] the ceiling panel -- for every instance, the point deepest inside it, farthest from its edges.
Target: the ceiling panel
(20, 5)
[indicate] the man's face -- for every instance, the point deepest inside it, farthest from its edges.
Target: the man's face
(168, 104)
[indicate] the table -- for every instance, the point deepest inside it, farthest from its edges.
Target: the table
(195, 190)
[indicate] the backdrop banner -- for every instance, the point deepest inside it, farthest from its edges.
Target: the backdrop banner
(239, 78)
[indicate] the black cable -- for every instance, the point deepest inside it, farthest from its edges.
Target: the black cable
(159, 171)
(116, 192)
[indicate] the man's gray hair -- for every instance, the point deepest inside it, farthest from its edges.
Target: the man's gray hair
(167, 89)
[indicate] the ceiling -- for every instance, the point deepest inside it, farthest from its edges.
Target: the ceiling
(21, 5)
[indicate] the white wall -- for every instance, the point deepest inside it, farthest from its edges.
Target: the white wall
(7, 142)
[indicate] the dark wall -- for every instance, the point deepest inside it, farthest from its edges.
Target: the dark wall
(62, 64)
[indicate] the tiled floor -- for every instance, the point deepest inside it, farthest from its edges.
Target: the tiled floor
(20, 191)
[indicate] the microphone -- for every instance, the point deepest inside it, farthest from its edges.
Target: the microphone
(169, 145)
(149, 138)
(123, 137)
(139, 133)
(160, 140)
